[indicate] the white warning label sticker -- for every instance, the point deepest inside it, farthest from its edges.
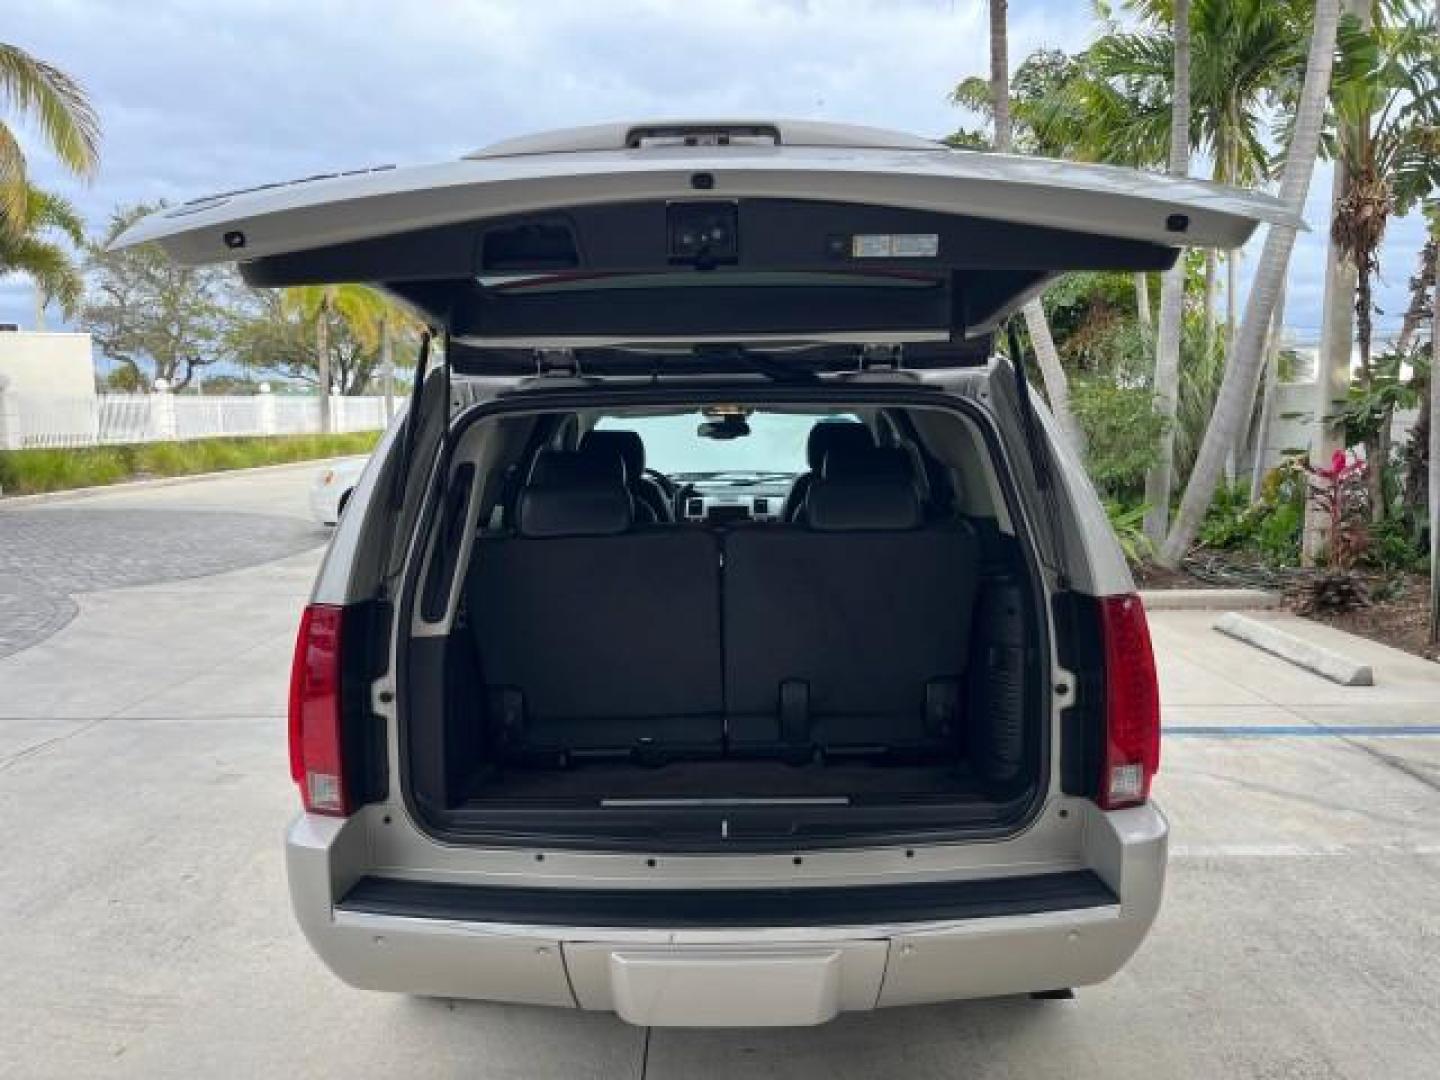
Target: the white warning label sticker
(895, 245)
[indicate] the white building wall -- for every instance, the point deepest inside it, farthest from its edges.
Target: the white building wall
(46, 379)
(40, 364)
(1293, 417)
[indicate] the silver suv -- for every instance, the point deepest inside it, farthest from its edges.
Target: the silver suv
(724, 635)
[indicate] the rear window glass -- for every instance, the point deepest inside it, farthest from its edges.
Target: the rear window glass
(674, 446)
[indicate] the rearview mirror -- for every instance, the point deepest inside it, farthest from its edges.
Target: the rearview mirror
(728, 427)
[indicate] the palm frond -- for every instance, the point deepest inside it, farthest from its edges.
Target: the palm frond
(45, 211)
(974, 94)
(359, 307)
(56, 104)
(48, 265)
(13, 185)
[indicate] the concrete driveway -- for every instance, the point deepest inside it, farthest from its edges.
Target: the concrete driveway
(145, 929)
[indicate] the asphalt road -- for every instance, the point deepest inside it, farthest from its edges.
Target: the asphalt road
(145, 929)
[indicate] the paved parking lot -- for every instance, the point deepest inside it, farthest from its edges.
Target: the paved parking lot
(145, 930)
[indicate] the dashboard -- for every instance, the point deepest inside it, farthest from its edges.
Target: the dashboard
(719, 502)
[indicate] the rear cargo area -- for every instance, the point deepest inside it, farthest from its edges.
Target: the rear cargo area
(867, 669)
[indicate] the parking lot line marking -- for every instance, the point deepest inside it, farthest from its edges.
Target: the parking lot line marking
(1336, 731)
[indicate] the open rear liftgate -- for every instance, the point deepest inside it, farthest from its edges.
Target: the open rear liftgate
(787, 249)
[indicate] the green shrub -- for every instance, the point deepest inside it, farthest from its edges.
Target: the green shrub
(1392, 546)
(1277, 538)
(1128, 523)
(1121, 432)
(1270, 528)
(1229, 522)
(25, 472)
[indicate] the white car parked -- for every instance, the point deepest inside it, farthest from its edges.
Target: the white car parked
(332, 487)
(726, 637)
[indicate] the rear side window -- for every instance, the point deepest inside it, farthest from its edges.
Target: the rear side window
(436, 596)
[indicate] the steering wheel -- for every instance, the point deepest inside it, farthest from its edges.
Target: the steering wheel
(669, 486)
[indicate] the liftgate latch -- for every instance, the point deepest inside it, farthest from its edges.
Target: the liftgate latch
(560, 363)
(880, 357)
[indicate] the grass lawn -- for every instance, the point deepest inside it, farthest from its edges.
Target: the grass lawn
(28, 472)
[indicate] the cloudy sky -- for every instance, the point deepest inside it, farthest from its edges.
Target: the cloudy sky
(213, 94)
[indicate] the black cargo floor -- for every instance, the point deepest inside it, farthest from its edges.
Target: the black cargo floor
(596, 782)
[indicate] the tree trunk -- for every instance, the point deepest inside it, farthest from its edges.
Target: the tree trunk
(1332, 376)
(1142, 302)
(1057, 386)
(1000, 73)
(1232, 268)
(1420, 286)
(1337, 335)
(1434, 454)
(1237, 390)
(1434, 440)
(387, 367)
(1261, 441)
(322, 364)
(1377, 446)
(1212, 284)
(1414, 493)
(1166, 384)
(1232, 460)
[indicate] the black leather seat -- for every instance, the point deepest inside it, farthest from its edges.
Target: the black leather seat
(824, 437)
(594, 636)
(652, 505)
(850, 634)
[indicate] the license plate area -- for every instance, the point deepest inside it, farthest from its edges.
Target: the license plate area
(727, 986)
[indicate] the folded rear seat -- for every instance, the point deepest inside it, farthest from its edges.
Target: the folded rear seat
(595, 637)
(850, 634)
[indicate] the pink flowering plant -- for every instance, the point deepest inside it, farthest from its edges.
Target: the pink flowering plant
(1340, 492)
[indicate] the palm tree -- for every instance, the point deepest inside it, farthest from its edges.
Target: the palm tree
(395, 320)
(29, 246)
(1434, 447)
(1172, 298)
(1271, 376)
(1387, 104)
(56, 104)
(1120, 105)
(1057, 386)
(1241, 53)
(359, 307)
(1237, 391)
(1000, 72)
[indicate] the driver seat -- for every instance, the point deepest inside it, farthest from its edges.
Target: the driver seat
(652, 504)
(847, 436)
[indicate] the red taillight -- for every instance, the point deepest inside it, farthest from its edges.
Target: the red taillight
(1132, 704)
(316, 760)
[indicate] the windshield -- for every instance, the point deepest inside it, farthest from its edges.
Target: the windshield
(776, 444)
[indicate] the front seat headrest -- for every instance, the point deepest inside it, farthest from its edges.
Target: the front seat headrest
(625, 445)
(574, 494)
(873, 490)
(829, 436)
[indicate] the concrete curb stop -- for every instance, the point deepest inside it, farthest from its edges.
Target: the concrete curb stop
(1305, 654)
(1209, 599)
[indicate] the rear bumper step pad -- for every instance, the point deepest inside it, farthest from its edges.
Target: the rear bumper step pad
(725, 908)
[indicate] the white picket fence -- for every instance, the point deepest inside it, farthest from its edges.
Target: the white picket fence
(108, 419)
